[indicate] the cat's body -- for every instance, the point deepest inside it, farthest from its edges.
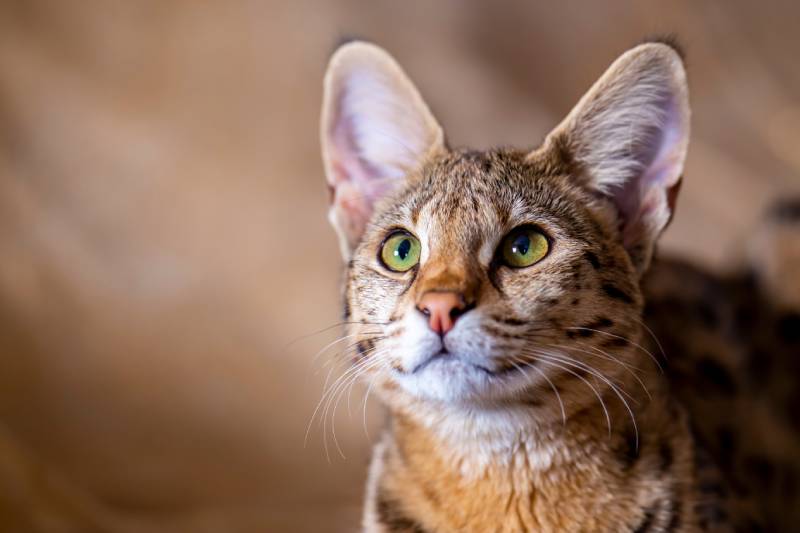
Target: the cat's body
(497, 306)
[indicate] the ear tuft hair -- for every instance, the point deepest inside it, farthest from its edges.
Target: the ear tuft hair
(669, 39)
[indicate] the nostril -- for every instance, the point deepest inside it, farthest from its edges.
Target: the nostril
(456, 312)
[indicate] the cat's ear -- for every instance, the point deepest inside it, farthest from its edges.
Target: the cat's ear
(375, 130)
(627, 138)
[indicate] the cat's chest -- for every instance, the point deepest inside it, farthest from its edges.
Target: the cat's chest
(523, 490)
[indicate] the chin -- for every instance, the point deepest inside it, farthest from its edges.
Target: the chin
(453, 380)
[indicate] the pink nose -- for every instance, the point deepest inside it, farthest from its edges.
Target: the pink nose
(442, 309)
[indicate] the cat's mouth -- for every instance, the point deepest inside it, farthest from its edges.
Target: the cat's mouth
(444, 356)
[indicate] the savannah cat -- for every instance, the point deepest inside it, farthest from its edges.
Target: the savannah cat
(498, 299)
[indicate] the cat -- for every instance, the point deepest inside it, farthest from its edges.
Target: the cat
(496, 299)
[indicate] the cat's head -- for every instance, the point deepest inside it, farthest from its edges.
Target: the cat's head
(504, 275)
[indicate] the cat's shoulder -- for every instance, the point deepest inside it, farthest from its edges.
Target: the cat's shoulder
(732, 355)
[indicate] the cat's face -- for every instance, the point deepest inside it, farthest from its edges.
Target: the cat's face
(517, 321)
(500, 276)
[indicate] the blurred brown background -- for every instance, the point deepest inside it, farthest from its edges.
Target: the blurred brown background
(163, 232)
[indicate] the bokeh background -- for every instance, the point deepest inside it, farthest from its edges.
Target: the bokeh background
(163, 231)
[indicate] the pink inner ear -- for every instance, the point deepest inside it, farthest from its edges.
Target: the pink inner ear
(663, 171)
(644, 200)
(355, 184)
(351, 167)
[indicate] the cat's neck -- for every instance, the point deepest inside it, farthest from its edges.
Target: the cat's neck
(473, 442)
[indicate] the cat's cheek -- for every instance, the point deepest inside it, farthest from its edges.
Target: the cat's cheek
(417, 343)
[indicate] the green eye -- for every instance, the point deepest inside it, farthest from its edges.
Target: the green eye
(523, 247)
(400, 251)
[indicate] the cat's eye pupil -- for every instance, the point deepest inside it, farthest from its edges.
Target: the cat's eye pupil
(402, 249)
(521, 245)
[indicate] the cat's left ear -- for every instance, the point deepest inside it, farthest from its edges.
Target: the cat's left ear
(375, 130)
(626, 140)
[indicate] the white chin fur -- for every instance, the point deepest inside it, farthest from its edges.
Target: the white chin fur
(459, 376)
(447, 379)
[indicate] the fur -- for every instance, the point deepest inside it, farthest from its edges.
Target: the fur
(545, 408)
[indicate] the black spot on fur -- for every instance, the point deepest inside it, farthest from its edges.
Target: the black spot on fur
(760, 364)
(647, 522)
(602, 322)
(788, 328)
(591, 257)
(346, 309)
(615, 292)
(703, 460)
(708, 315)
(393, 518)
(789, 482)
(745, 317)
(364, 347)
(630, 449)
(759, 470)
(791, 406)
(587, 330)
(714, 488)
(712, 372)
(509, 321)
(614, 342)
(666, 455)
(727, 446)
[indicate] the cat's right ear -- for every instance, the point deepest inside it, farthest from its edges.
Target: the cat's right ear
(626, 141)
(375, 130)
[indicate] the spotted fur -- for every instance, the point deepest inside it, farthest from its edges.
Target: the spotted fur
(546, 408)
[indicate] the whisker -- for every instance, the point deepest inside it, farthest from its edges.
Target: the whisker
(653, 335)
(552, 385)
(326, 392)
(349, 350)
(366, 399)
(589, 368)
(616, 391)
(328, 346)
(340, 384)
(604, 355)
(338, 324)
(375, 361)
(600, 399)
(645, 350)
